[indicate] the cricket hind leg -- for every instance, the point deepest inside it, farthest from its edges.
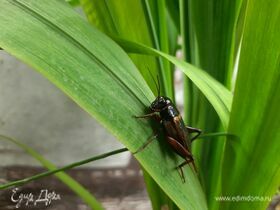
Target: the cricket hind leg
(180, 170)
(184, 153)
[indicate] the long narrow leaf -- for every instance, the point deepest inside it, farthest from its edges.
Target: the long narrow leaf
(100, 77)
(254, 167)
(211, 43)
(120, 20)
(117, 19)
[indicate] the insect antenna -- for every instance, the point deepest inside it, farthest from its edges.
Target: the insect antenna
(158, 86)
(156, 83)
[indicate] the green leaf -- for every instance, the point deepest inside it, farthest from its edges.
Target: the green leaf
(115, 19)
(66, 179)
(255, 117)
(209, 40)
(156, 195)
(212, 33)
(73, 3)
(172, 7)
(100, 77)
(163, 43)
(129, 21)
(215, 92)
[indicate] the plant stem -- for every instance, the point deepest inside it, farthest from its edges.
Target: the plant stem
(50, 172)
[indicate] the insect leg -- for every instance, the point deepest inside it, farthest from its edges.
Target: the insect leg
(194, 130)
(146, 144)
(147, 115)
(188, 160)
(153, 115)
(180, 170)
(183, 152)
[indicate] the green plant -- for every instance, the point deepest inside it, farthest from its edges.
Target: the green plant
(90, 67)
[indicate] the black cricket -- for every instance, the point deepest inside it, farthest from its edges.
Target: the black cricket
(176, 133)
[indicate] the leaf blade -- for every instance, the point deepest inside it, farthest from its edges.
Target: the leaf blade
(257, 105)
(99, 76)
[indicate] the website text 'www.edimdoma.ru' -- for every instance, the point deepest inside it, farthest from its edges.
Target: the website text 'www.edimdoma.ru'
(243, 198)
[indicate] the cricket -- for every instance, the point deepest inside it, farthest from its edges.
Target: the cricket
(177, 134)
